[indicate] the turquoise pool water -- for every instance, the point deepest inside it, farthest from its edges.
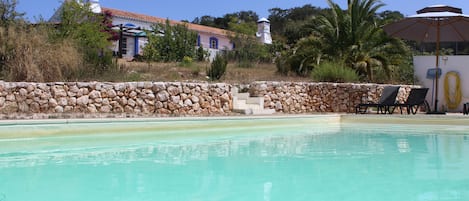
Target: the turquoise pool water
(240, 159)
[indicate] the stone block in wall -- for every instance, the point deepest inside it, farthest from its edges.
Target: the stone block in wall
(10, 107)
(162, 96)
(83, 101)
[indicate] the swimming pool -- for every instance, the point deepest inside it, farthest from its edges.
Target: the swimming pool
(294, 158)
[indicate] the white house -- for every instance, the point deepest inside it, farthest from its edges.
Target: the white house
(133, 37)
(210, 38)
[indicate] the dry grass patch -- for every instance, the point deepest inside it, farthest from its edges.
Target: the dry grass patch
(142, 71)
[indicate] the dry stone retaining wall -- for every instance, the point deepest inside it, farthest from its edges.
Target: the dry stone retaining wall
(131, 97)
(178, 98)
(295, 97)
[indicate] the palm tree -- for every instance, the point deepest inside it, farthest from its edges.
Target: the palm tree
(355, 37)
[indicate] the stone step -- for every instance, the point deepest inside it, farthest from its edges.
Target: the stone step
(256, 100)
(247, 106)
(263, 112)
(251, 111)
(244, 104)
(242, 96)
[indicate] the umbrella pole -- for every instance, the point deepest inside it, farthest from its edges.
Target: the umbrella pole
(437, 54)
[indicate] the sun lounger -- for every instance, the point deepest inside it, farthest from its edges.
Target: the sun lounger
(388, 97)
(415, 99)
(465, 110)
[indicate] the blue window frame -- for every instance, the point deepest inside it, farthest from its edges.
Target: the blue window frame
(213, 43)
(198, 40)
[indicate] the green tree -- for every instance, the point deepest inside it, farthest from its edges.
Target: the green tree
(304, 56)
(292, 24)
(248, 50)
(8, 13)
(86, 29)
(172, 44)
(355, 37)
(8, 19)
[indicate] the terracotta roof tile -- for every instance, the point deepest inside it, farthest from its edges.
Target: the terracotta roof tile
(152, 19)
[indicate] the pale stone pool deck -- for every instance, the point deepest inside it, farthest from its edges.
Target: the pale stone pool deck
(449, 118)
(18, 129)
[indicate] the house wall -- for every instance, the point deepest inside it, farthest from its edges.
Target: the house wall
(223, 41)
(458, 64)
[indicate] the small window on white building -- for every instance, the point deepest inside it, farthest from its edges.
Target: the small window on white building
(213, 43)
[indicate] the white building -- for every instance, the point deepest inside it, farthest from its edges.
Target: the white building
(134, 39)
(263, 31)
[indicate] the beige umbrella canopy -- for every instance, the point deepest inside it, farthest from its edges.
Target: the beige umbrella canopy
(435, 24)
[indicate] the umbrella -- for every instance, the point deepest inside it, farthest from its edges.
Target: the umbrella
(436, 24)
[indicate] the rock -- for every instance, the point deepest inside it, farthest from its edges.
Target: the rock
(110, 93)
(119, 86)
(188, 102)
(59, 109)
(122, 101)
(23, 107)
(175, 99)
(10, 97)
(83, 101)
(34, 107)
(62, 101)
(128, 109)
(131, 86)
(83, 91)
(23, 92)
(2, 101)
(91, 109)
(159, 86)
(95, 94)
(83, 85)
(173, 91)
(225, 98)
(74, 89)
(162, 96)
(195, 99)
(72, 101)
(131, 103)
(151, 96)
(53, 102)
(159, 105)
(118, 109)
(10, 107)
(30, 87)
(105, 109)
(58, 91)
(147, 85)
(133, 94)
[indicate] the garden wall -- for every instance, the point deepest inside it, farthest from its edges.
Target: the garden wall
(178, 98)
(294, 97)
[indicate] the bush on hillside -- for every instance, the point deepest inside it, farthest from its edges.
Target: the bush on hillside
(334, 72)
(217, 68)
(283, 68)
(29, 56)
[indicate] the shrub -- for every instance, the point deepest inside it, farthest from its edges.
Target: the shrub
(186, 61)
(334, 72)
(201, 54)
(218, 68)
(282, 65)
(29, 56)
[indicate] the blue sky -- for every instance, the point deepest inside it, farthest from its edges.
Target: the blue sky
(189, 9)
